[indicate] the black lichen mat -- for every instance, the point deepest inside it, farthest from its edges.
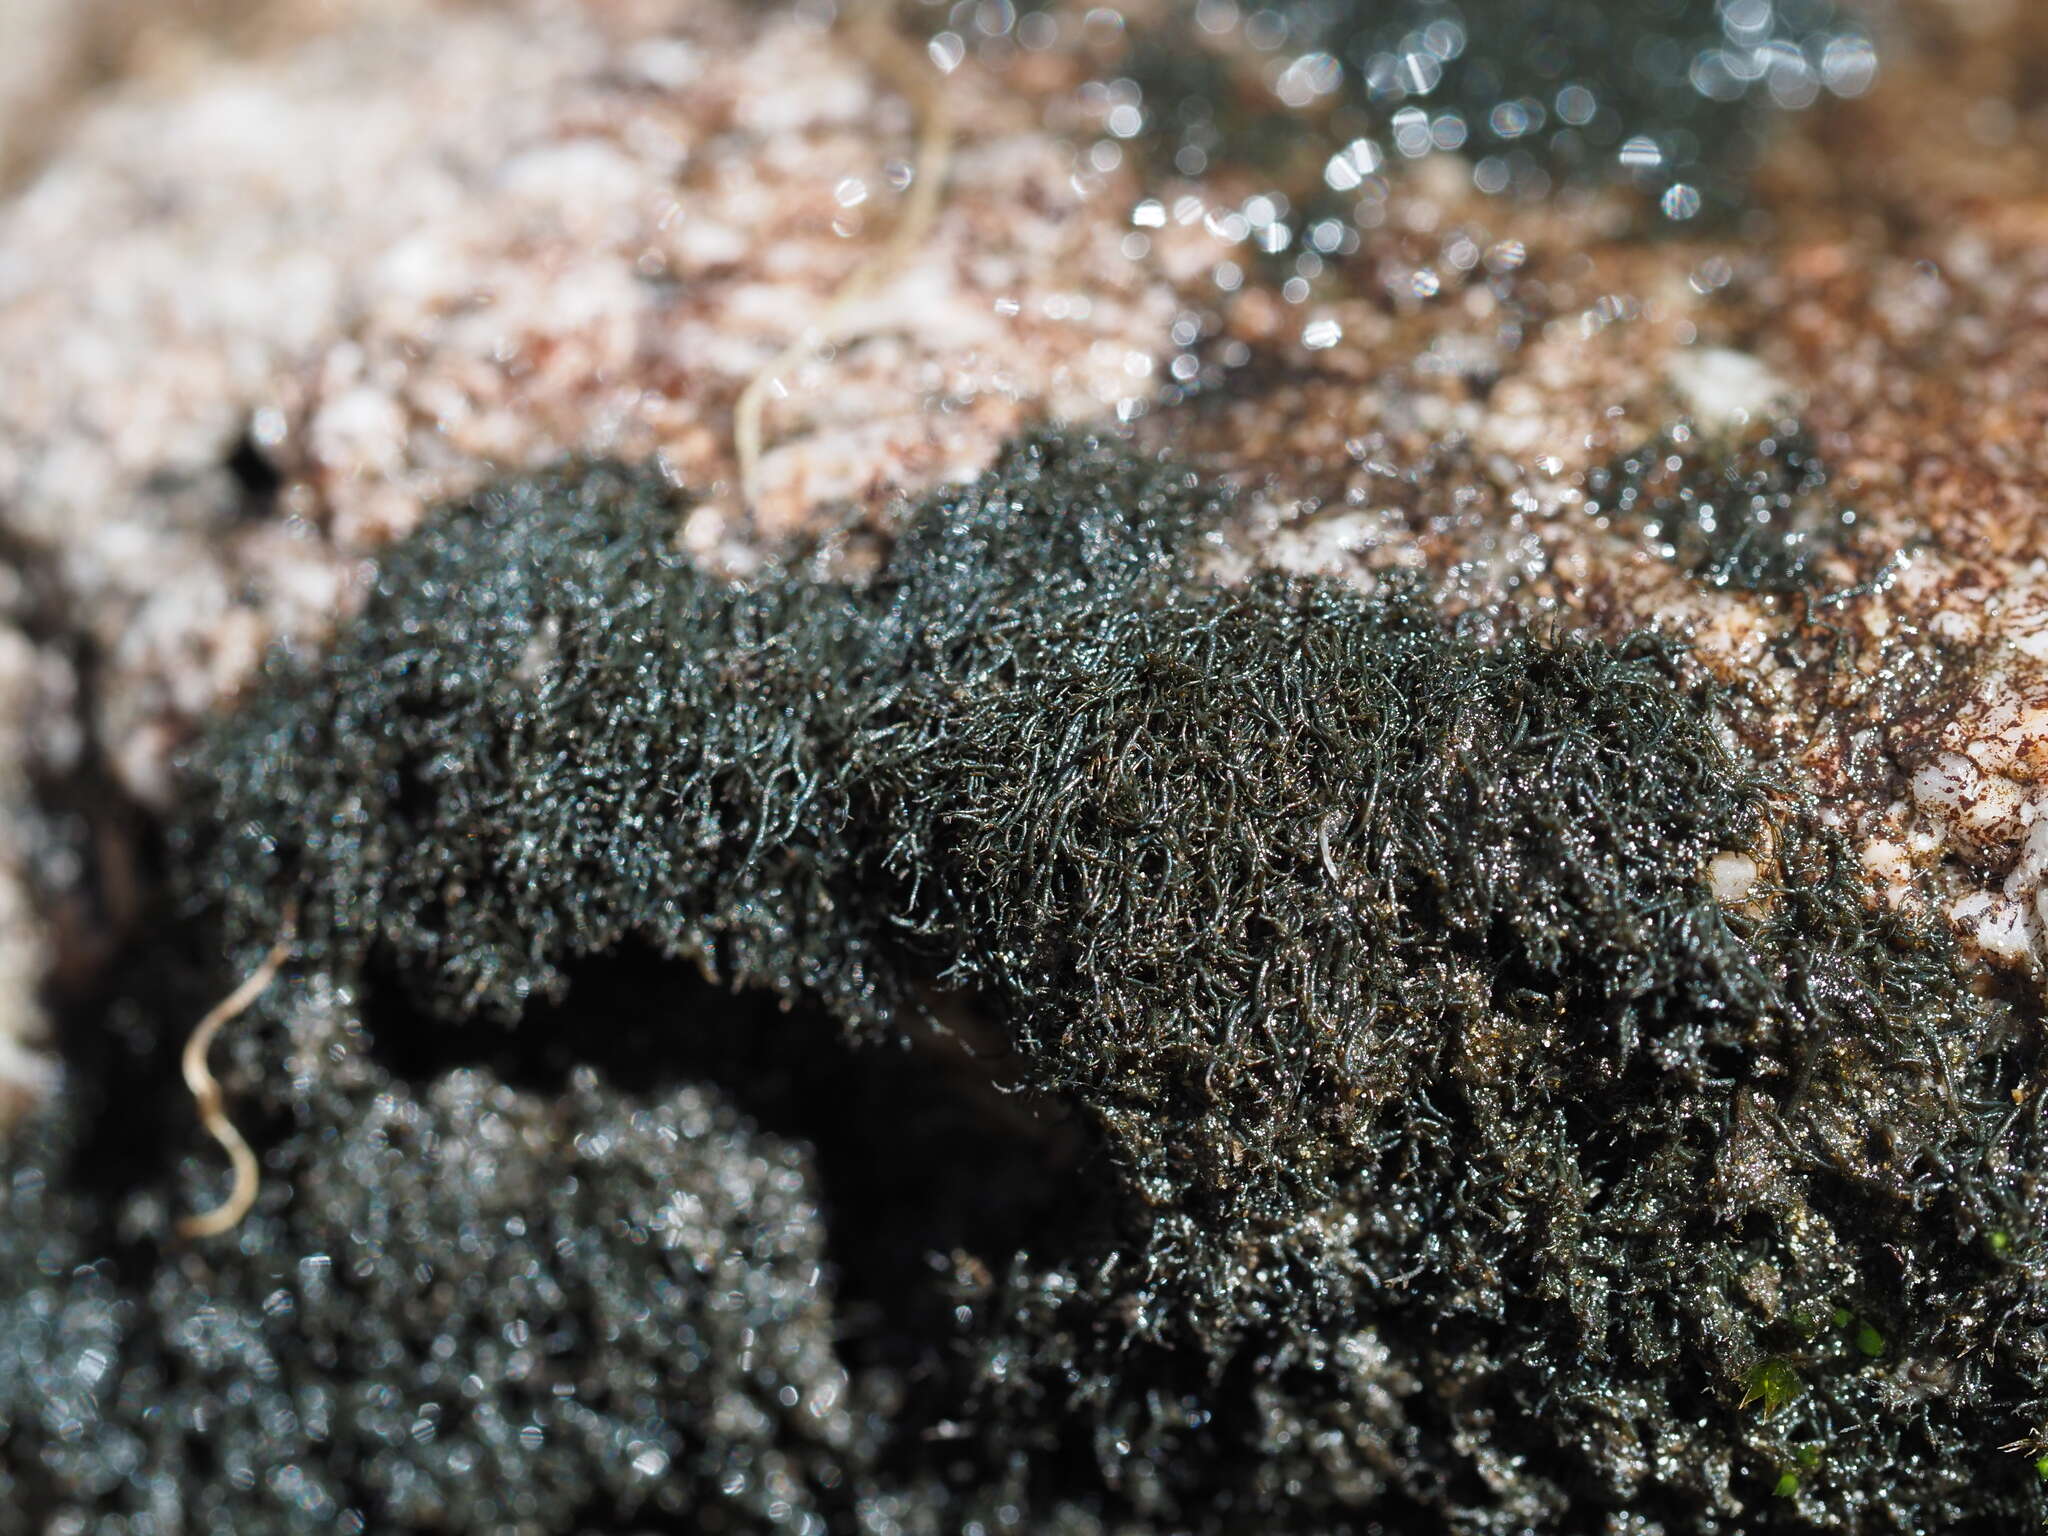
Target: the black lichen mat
(1748, 513)
(1327, 99)
(1414, 1085)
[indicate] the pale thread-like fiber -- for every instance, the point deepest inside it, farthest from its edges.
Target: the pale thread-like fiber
(206, 1094)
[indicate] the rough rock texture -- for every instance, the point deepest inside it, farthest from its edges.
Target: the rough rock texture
(275, 277)
(1462, 393)
(477, 238)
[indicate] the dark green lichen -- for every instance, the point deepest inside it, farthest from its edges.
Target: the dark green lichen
(1751, 512)
(1439, 1150)
(550, 731)
(1476, 1151)
(1323, 98)
(532, 1281)
(458, 1307)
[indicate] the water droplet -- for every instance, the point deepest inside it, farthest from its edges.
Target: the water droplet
(1349, 167)
(1411, 132)
(1680, 201)
(1848, 65)
(1421, 72)
(1641, 153)
(1506, 256)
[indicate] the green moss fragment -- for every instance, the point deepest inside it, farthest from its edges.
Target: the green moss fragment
(1773, 1384)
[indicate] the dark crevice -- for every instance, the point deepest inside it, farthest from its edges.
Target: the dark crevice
(256, 476)
(928, 1167)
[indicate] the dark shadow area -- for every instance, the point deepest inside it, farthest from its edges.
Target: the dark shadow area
(256, 476)
(929, 1176)
(930, 1168)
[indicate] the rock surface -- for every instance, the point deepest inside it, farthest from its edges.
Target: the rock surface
(277, 277)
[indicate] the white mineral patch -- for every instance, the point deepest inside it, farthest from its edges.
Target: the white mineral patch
(2026, 615)
(1723, 387)
(1981, 807)
(25, 1070)
(1732, 878)
(1983, 794)
(1328, 545)
(1890, 866)
(2007, 932)
(2029, 875)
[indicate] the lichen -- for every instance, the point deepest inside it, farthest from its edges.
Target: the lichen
(1326, 98)
(1746, 511)
(1397, 1125)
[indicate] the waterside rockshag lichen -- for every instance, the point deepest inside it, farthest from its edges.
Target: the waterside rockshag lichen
(1747, 513)
(1325, 97)
(1450, 1149)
